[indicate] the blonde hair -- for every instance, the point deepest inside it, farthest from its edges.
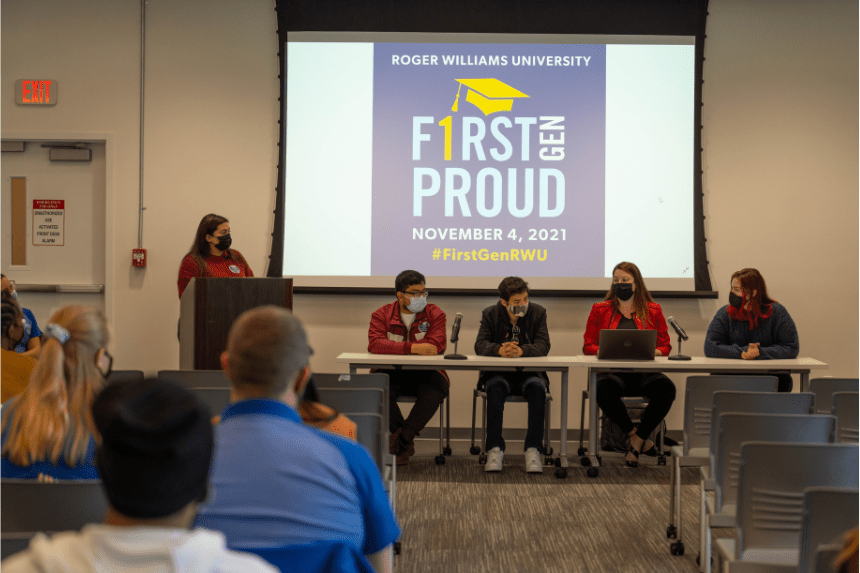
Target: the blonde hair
(53, 415)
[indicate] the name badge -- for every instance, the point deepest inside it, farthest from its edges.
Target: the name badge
(234, 269)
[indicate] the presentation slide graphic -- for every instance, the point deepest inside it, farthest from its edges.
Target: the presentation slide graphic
(489, 159)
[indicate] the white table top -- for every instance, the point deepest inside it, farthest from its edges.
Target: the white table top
(564, 362)
(472, 362)
(705, 364)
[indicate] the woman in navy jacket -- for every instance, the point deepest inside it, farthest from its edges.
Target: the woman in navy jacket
(628, 304)
(753, 326)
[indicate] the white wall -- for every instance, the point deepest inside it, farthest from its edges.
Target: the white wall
(780, 161)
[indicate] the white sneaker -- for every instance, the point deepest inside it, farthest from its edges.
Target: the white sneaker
(533, 463)
(494, 460)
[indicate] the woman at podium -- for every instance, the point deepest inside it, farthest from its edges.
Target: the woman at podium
(628, 304)
(211, 255)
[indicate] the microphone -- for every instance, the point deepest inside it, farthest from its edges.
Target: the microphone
(681, 336)
(455, 337)
(455, 330)
(671, 320)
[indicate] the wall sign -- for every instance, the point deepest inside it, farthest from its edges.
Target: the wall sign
(49, 215)
(36, 92)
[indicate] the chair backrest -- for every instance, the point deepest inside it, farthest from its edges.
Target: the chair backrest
(756, 403)
(823, 388)
(30, 506)
(215, 398)
(363, 398)
(12, 543)
(125, 376)
(828, 513)
(699, 400)
(315, 557)
(845, 408)
(195, 378)
(770, 493)
(736, 428)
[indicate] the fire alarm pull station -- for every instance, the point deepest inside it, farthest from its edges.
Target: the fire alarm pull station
(138, 257)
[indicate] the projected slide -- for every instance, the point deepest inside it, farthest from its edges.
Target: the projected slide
(552, 161)
(488, 161)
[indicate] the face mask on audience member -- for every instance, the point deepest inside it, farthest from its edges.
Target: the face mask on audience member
(623, 290)
(224, 242)
(417, 304)
(519, 310)
(735, 301)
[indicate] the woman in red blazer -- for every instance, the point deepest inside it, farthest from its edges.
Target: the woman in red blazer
(628, 304)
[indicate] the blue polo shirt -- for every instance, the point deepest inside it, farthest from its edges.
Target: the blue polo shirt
(31, 330)
(276, 481)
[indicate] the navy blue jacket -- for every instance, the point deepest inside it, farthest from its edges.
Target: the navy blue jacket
(777, 336)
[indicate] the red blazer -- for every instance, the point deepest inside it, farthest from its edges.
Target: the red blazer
(603, 316)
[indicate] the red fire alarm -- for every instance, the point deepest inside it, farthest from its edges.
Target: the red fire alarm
(138, 257)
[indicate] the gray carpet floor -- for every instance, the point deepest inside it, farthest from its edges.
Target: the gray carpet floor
(458, 518)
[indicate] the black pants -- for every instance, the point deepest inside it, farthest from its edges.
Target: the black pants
(660, 391)
(429, 388)
(533, 389)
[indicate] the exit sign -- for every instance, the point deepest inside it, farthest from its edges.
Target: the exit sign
(36, 92)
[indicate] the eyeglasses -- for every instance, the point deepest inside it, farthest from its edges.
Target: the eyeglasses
(105, 364)
(422, 294)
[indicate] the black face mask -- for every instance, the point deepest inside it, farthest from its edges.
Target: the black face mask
(623, 290)
(735, 301)
(224, 242)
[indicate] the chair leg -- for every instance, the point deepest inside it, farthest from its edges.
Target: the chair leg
(484, 424)
(474, 408)
(441, 426)
(546, 426)
(581, 450)
(447, 450)
(671, 532)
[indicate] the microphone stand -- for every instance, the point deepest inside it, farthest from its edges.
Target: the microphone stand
(679, 356)
(455, 356)
(455, 338)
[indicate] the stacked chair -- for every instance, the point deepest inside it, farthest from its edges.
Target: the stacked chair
(777, 527)
(695, 449)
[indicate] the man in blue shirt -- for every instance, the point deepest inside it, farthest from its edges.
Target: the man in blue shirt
(276, 481)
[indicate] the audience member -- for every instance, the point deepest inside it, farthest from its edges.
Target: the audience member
(315, 413)
(410, 326)
(511, 328)
(154, 459)
(16, 368)
(30, 343)
(48, 428)
(276, 481)
(753, 326)
(628, 304)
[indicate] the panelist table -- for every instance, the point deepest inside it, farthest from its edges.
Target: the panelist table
(698, 365)
(561, 364)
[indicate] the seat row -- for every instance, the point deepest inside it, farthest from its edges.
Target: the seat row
(722, 417)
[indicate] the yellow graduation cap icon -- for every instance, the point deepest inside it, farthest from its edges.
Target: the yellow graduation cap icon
(488, 94)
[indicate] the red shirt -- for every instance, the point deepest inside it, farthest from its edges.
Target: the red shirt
(216, 266)
(603, 316)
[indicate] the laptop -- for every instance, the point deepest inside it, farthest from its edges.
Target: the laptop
(627, 344)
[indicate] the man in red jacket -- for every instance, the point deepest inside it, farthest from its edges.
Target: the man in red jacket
(410, 326)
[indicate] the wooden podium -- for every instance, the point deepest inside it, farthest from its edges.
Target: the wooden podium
(208, 308)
